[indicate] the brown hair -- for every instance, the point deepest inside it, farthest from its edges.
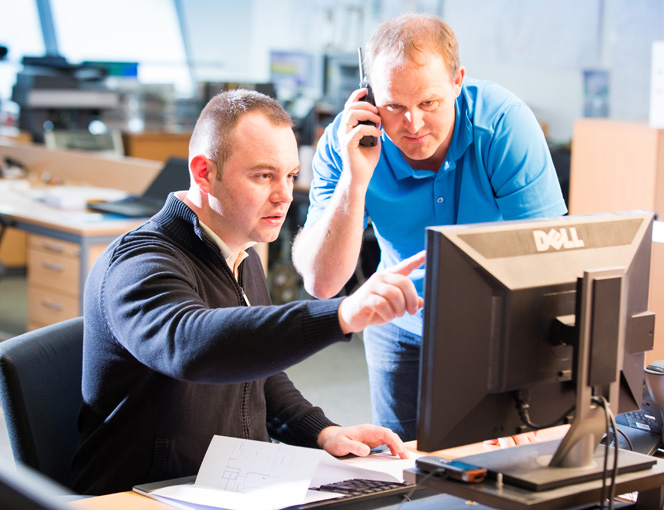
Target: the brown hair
(213, 132)
(410, 36)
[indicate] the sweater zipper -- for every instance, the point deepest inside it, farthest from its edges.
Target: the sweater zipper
(229, 271)
(246, 388)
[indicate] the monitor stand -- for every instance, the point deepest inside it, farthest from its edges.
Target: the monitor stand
(649, 483)
(579, 456)
(528, 466)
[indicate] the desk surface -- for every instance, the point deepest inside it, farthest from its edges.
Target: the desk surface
(133, 501)
(30, 214)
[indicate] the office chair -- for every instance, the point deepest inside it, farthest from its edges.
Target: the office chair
(40, 394)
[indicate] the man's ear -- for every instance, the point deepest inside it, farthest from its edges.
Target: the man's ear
(458, 80)
(203, 170)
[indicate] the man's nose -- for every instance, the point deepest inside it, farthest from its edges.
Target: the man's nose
(283, 191)
(413, 120)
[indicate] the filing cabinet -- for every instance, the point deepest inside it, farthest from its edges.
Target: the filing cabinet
(53, 280)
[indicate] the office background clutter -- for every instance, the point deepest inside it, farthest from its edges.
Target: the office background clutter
(566, 59)
(144, 69)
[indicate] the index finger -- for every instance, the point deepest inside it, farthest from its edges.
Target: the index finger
(355, 96)
(395, 445)
(406, 266)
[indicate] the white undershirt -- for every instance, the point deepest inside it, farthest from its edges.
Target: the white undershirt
(231, 258)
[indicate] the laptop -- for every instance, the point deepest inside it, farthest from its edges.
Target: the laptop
(174, 176)
(643, 428)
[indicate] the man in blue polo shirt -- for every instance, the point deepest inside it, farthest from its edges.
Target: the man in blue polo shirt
(451, 150)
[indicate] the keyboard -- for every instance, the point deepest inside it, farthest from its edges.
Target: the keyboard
(364, 494)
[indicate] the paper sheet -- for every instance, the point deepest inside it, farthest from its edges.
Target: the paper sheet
(240, 474)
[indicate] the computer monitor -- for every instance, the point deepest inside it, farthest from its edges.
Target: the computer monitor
(22, 488)
(527, 321)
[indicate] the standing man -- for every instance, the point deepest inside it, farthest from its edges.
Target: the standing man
(451, 150)
(180, 340)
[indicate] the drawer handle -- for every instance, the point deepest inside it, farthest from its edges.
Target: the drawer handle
(51, 266)
(50, 304)
(58, 248)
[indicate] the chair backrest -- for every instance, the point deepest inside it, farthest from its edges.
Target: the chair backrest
(40, 394)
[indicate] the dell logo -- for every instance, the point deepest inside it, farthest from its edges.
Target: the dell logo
(557, 238)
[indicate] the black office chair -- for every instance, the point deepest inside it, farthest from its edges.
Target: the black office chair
(40, 394)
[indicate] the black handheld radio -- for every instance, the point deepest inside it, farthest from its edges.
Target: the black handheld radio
(366, 141)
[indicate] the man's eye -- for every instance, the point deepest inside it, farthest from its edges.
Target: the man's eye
(429, 105)
(393, 107)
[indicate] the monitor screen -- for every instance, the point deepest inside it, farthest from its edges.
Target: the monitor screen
(502, 305)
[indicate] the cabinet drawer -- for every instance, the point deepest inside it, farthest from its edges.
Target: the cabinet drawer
(46, 307)
(52, 245)
(54, 271)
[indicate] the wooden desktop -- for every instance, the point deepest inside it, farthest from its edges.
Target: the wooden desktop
(133, 501)
(60, 245)
(489, 493)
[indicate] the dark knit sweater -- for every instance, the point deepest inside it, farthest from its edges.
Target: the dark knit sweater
(172, 355)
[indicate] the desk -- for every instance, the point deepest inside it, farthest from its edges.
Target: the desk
(132, 501)
(648, 483)
(62, 245)
(484, 493)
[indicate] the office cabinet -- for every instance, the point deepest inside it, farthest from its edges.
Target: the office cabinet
(157, 146)
(13, 248)
(616, 166)
(619, 166)
(53, 280)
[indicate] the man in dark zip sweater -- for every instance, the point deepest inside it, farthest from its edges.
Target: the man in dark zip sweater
(181, 341)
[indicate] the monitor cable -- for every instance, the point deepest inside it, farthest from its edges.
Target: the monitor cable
(441, 474)
(523, 406)
(611, 431)
(630, 446)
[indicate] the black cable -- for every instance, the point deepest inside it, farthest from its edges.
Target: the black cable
(443, 475)
(626, 438)
(614, 475)
(606, 452)
(611, 425)
(522, 407)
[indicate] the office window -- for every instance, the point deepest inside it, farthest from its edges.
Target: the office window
(20, 32)
(145, 31)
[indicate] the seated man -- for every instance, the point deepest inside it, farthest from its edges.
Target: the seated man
(181, 342)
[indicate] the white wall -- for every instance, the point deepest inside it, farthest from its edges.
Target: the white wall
(536, 48)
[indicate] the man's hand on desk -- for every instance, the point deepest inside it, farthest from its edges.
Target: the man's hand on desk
(359, 440)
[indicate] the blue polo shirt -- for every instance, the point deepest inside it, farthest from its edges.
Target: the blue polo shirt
(498, 167)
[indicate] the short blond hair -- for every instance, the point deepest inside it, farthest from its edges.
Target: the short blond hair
(409, 37)
(213, 132)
